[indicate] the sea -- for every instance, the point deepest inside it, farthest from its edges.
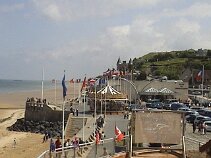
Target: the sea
(10, 86)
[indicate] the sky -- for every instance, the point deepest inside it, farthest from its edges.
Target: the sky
(88, 36)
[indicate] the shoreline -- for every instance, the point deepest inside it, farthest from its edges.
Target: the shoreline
(12, 107)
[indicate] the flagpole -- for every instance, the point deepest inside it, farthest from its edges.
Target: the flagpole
(130, 88)
(55, 92)
(105, 97)
(42, 84)
(202, 82)
(64, 94)
(95, 105)
(63, 127)
(74, 90)
(84, 114)
(101, 101)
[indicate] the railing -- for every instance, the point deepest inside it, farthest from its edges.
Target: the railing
(90, 149)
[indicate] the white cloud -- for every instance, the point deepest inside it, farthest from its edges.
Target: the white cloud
(69, 10)
(195, 10)
(11, 8)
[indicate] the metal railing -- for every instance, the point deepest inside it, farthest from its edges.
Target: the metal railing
(105, 148)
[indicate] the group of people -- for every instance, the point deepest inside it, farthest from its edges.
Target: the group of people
(201, 127)
(74, 111)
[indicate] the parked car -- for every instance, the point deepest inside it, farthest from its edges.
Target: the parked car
(207, 113)
(176, 106)
(190, 118)
(196, 108)
(134, 107)
(168, 102)
(191, 112)
(156, 105)
(208, 125)
(152, 101)
(200, 118)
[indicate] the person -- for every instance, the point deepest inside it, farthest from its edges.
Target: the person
(75, 141)
(14, 142)
(194, 127)
(73, 112)
(105, 153)
(68, 142)
(52, 145)
(76, 112)
(58, 143)
(204, 128)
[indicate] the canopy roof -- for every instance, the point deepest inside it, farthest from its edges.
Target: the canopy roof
(151, 90)
(108, 89)
(162, 91)
(108, 93)
(166, 90)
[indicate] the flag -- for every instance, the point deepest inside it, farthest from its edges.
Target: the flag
(64, 87)
(199, 76)
(102, 81)
(97, 138)
(83, 84)
(92, 82)
(119, 134)
(72, 81)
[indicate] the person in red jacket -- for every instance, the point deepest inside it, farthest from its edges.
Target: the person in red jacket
(58, 143)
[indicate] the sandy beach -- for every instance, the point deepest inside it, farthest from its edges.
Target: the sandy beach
(12, 107)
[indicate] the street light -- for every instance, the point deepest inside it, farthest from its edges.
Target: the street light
(133, 85)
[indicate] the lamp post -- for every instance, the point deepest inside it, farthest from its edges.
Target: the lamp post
(132, 84)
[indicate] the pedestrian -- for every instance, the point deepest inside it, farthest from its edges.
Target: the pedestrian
(14, 143)
(73, 112)
(105, 153)
(76, 112)
(204, 128)
(199, 127)
(194, 127)
(58, 143)
(75, 141)
(52, 145)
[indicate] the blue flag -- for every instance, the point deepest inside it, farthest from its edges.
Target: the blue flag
(64, 87)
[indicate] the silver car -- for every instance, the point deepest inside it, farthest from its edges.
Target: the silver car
(208, 125)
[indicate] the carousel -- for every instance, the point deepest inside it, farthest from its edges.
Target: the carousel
(107, 99)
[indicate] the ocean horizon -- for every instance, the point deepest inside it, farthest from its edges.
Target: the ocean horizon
(10, 86)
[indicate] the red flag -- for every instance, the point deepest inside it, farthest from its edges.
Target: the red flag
(97, 138)
(119, 134)
(199, 76)
(92, 82)
(83, 84)
(72, 81)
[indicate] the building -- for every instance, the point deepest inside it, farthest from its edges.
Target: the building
(123, 66)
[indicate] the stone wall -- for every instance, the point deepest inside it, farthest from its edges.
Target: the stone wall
(42, 112)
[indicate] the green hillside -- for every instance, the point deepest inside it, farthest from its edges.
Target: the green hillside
(172, 64)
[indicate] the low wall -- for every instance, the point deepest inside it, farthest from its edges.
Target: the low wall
(43, 113)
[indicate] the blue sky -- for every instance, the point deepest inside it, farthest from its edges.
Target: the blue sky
(87, 37)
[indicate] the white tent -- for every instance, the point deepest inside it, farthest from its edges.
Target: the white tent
(108, 90)
(151, 90)
(166, 90)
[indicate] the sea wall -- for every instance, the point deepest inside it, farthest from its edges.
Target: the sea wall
(43, 112)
